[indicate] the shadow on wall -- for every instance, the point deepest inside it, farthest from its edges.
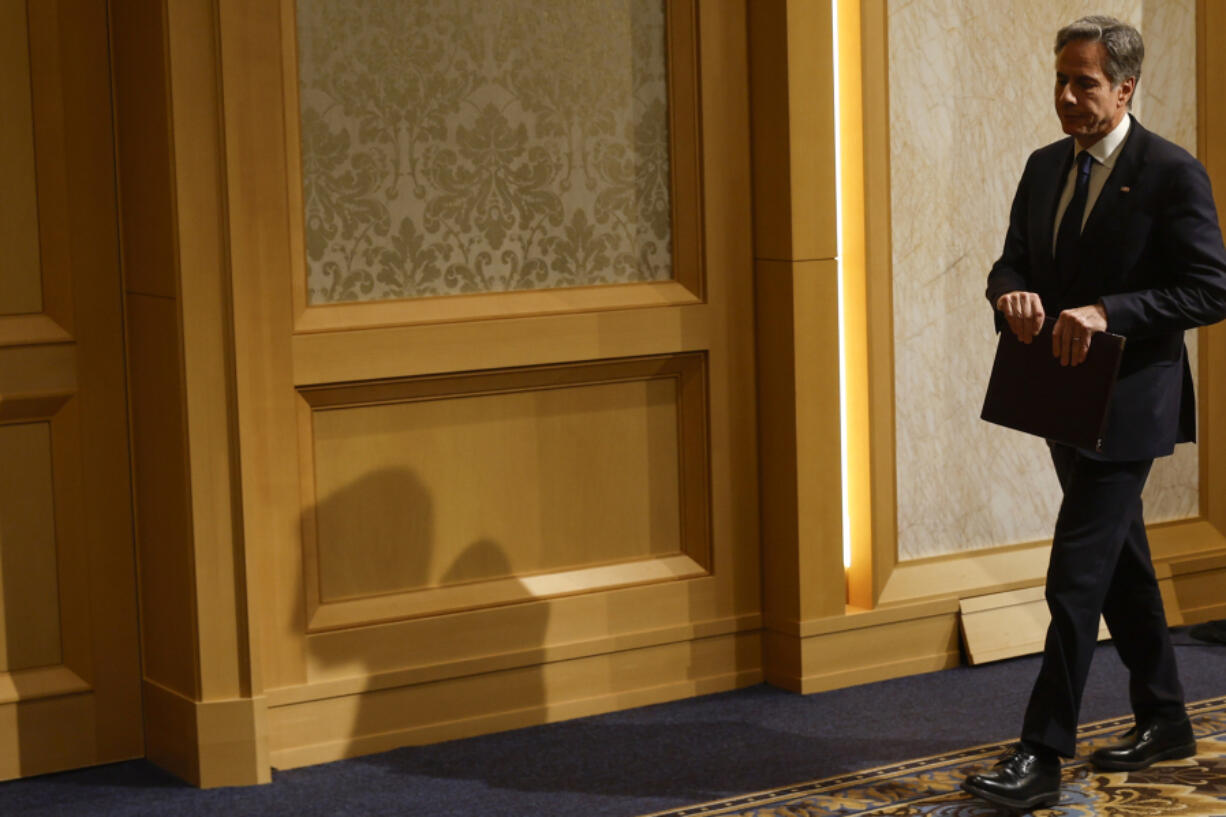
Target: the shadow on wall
(378, 533)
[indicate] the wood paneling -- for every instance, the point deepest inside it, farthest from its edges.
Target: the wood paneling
(161, 494)
(21, 283)
(66, 520)
(434, 484)
(202, 721)
(343, 726)
(290, 366)
(474, 488)
(797, 294)
(29, 598)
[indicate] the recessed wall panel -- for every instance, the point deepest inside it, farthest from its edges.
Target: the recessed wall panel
(444, 491)
(29, 597)
(21, 279)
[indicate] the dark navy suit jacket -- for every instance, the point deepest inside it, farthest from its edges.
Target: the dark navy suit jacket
(1151, 252)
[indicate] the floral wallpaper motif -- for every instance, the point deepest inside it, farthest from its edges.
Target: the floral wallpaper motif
(454, 146)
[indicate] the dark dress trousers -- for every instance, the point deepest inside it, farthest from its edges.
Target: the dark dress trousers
(1151, 252)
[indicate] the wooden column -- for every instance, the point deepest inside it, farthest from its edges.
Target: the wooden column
(204, 720)
(796, 272)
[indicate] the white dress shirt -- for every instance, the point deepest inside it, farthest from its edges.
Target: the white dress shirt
(1104, 152)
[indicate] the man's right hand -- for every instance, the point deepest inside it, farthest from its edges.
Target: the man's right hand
(1023, 311)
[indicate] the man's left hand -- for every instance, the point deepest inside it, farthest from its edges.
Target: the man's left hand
(1070, 338)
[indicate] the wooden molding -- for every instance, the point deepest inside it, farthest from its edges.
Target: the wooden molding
(488, 306)
(40, 682)
(60, 193)
(28, 330)
(24, 408)
(495, 593)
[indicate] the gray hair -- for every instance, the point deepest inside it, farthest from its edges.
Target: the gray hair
(1123, 44)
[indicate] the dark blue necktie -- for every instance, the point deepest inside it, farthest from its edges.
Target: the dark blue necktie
(1070, 225)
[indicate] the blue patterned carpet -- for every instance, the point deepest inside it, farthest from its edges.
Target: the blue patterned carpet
(928, 787)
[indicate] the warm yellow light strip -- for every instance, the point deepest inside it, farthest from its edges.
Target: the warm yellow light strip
(853, 306)
(838, 184)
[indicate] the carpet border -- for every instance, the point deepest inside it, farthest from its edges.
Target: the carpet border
(765, 796)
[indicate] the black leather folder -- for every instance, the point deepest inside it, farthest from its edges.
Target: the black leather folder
(1030, 391)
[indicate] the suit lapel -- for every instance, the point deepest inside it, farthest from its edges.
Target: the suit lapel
(1118, 186)
(1100, 239)
(1048, 185)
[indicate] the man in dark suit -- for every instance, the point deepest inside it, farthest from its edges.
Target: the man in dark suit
(1113, 229)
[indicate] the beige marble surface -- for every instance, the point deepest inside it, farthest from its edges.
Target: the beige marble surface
(970, 98)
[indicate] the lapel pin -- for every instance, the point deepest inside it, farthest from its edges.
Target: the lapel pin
(1125, 189)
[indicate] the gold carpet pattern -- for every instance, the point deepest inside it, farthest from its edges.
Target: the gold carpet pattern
(928, 787)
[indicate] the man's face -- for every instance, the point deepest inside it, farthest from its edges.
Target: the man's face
(1086, 103)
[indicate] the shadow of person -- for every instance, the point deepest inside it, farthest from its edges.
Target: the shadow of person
(376, 537)
(373, 536)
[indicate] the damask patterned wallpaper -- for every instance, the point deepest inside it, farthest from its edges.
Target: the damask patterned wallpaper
(455, 146)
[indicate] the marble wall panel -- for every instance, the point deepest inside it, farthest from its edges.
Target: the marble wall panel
(970, 97)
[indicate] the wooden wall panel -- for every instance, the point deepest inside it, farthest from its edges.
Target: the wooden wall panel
(436, 494)
(29, 598)
(449, 491)
(72, 695)
(642, 631)
(21, 283)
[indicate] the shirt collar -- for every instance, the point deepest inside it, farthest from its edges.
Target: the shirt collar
(1106, 150)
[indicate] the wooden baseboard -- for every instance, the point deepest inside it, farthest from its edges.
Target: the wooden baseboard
(321, 730)
(1013, 623)
(207, 743)
(1199, 586)
(923, 636)
(860, 648)
(229, 742)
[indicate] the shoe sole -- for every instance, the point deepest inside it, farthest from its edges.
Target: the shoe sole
(1038, 801)
(1174, 753)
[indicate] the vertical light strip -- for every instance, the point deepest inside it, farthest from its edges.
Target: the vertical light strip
(838, 195)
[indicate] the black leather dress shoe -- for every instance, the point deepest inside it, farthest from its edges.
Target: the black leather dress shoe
(1146, 746)
(1023, 779)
